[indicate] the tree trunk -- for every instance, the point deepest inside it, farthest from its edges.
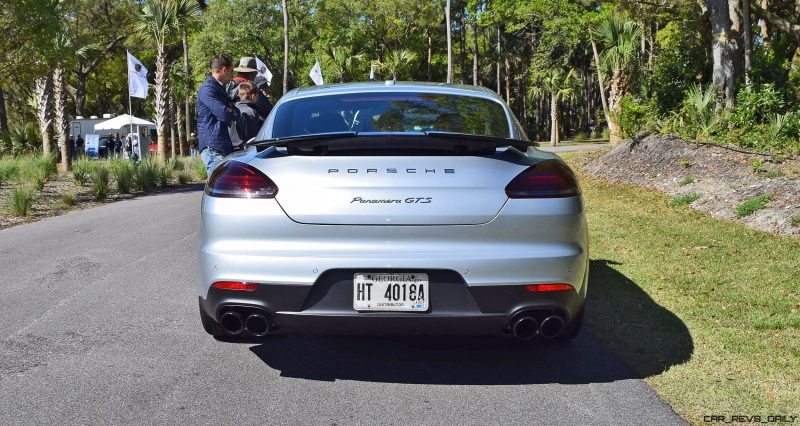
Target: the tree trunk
(554, 135)
(725, 46)
(449, 43)
(618, 88)
(600, 84)
(475, 79)
(187, 69)
(44, 113)
(181, 135)
(173, 131)
(430, 53)
(61, 121)
(80, 94)
(3, 113)
(462, 46)
(508, 85)
(285, 47)
(748, 40)
(161, 101)
(498, 59)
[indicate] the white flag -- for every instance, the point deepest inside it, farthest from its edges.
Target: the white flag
(137, 78)
(263, 71)
(316, 74)
(372, 72)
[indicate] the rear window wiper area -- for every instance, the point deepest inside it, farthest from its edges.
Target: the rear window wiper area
(401, 143)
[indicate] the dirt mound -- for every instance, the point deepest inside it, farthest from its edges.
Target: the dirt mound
(723, 179)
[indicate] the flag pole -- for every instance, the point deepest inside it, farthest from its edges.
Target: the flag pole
(130, 108)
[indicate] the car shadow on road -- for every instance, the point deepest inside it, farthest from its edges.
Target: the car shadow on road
(497, 360)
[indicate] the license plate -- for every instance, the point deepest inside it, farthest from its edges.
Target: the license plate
(390, 292)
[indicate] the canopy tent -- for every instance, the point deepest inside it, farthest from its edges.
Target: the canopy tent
(123, 121)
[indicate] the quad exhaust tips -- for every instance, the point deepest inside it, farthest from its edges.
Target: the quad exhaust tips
(525, 326)
(237, 321)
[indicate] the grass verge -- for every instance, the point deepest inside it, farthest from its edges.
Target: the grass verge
(707, 311)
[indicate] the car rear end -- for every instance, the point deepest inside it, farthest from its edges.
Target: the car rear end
(402, 241)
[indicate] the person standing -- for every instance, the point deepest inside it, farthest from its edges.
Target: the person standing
(249, 122)
(215, 114)
(246, 71)
(117, 145)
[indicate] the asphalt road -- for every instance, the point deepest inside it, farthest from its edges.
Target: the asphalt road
(99, 324)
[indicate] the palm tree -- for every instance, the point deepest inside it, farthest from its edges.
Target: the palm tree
(61, 47)
(342, 60)
(618, 61)
(558, 86)
(396, 62)
(44, 112)
(285, 47)
(186, 12)
(158, 21)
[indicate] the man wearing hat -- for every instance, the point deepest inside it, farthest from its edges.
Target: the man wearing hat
(246, 71)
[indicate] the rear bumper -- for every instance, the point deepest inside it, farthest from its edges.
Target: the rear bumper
(455, 308)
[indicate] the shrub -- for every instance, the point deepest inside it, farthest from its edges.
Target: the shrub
(9, 169)
(82, 169)
(684, 163)
(100, 183)
(684, 199)
(199, 168)
(68, 199)
(123, 174)
(164, 174)
(752, 205)
(146, 174)
(21, 140)
(20, 201)
(177, 164)
(686, 180)
(634, 117)
(184, 177)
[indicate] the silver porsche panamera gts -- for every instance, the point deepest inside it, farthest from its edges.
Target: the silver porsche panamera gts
(393, 208)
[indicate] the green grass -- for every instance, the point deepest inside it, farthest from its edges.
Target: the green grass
(795, 220)
(707, 311)
(146, 174)
(684, 199)
(82, 170)
(752, 205)
(123, 173)
(68, 199)
(197, 166)
(9, 168)
(19, 201)
(100, 187)
(184, 177)
(165, 172)
(686, 180)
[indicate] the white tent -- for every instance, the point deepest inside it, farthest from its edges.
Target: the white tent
(123, 121)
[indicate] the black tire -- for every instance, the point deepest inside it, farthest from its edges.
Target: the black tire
(210, 326)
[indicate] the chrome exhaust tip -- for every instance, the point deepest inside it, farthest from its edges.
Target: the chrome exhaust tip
(552, 326)
(257, 325)
(525, 327)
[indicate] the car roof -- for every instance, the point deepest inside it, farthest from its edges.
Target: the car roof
(391, 86)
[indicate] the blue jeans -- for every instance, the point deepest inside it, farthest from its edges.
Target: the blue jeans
(211, 159)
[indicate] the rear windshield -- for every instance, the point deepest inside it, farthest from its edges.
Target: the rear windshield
(390, 113)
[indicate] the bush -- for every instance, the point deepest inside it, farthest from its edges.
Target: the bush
(20, 201)
(9, 169)
(100, 183)
(146, 174)
(752, 205)
(184, 177)
(634, 117)
(199, 168)
(82, 169)
(20, 140)
(123, 174)
(757, 105)
(684, 199)
(164, 174)
(68, 199)
(686, 180)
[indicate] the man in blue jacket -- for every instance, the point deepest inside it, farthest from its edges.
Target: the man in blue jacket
(215, 114)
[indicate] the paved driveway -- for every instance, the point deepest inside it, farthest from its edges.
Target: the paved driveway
(99, 324)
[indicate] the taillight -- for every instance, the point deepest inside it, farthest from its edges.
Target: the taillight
(233, 179)
(540, 288)
(548, 179)
(235, 285)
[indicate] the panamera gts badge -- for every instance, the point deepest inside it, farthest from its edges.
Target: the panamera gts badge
(409, 200)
